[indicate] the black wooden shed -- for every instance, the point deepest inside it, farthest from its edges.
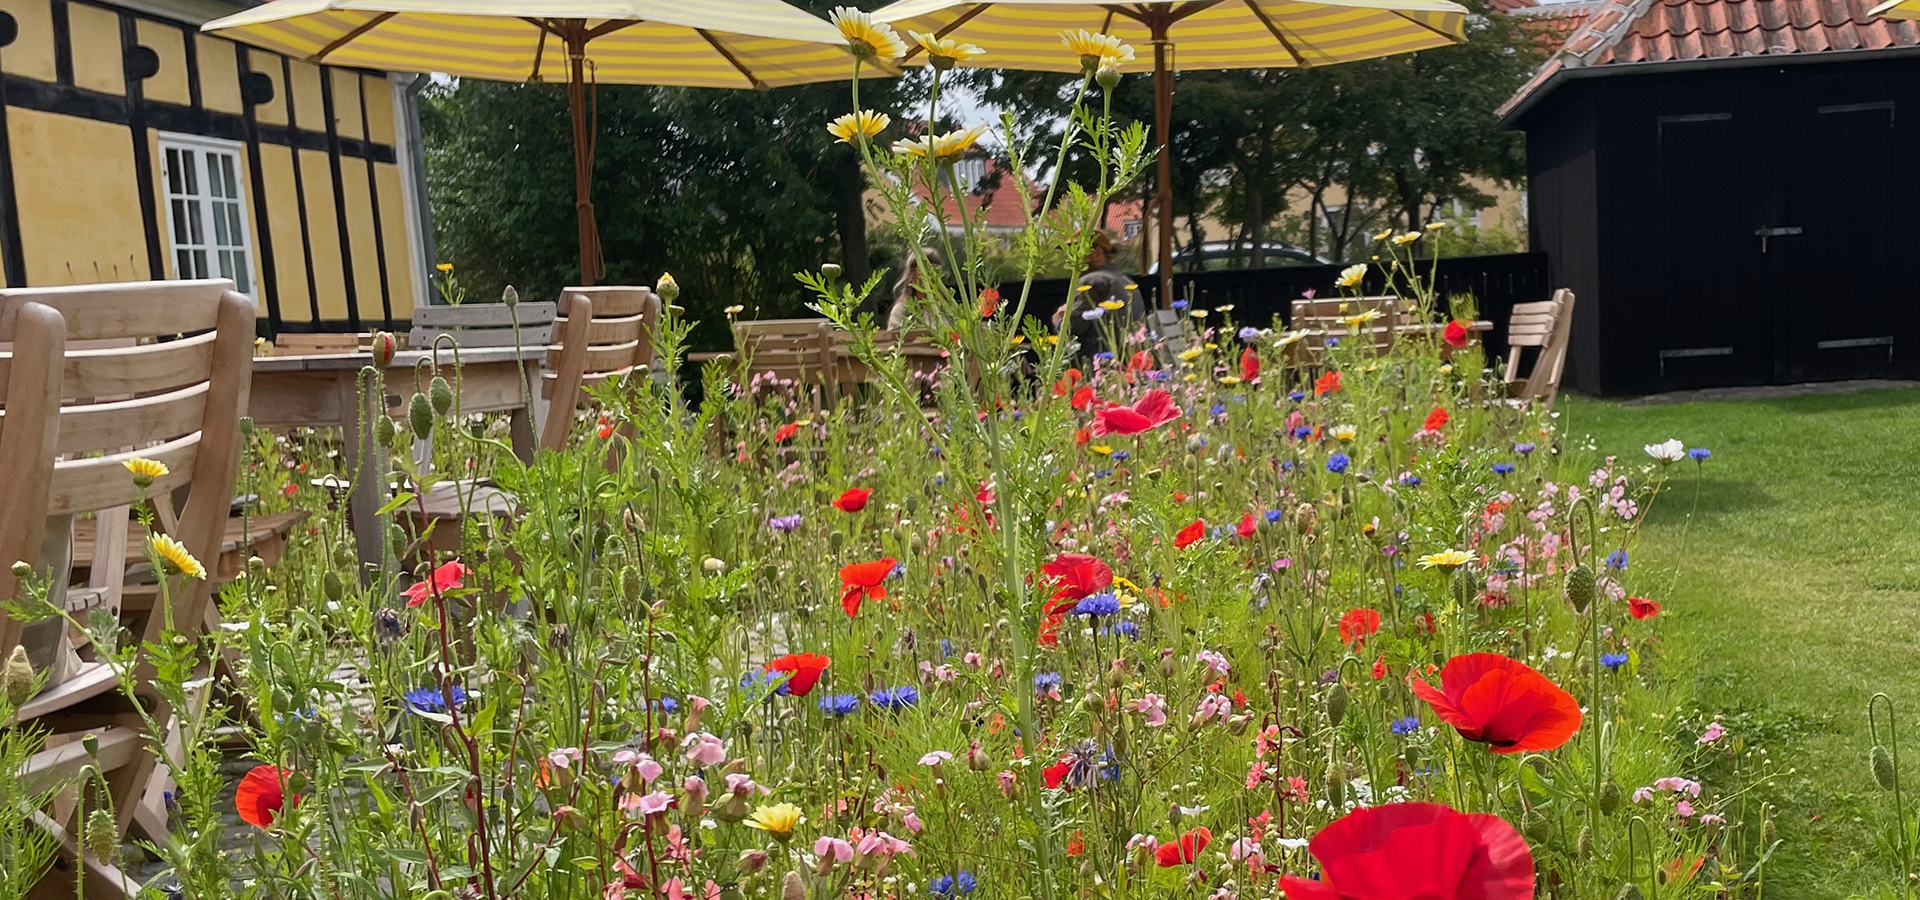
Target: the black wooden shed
(1729, 187)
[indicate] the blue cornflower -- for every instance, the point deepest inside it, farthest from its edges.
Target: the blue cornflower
(1103, 356)
(1406, 726)
(430, 699)
(1617, 560)
(896, 698)
(1219, 409)
(1045, 681)
(946, 648)
(784, 523)
(1302, 433)
(1097, 605)
(1503, 468)
(941, 886)
(838, 705)
(1093, 314)
(1613, 661)
(666, 704)
(1249, 333)
(1699, 454)
(1179, 304)
(1333, 342)
(1272, 516)
(1119, 456)
(1338, 463)
(1408, 479)
(1126, 628)
(1523, 449)
(1297, 396)
(899, 570)
(1161, 375)
(1286, 465)
(964, 883)
(760, 681)
(1102, 473)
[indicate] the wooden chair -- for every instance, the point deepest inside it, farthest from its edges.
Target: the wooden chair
(62, 454)
(1326, 317)
(846, 372)
(1548, 326)
(602, 331)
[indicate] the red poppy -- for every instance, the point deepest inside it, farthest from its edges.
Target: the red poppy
(1380, 667)
(443, 579)
(1191, 534)
(1642, 608)
(1078, 576)
(1246, 526)
(1456, 334)
(1183, 851)
(1436, 420)
(1056, 774)
(1066, 383)
(290, 489)
(786, 432)
(1077, 845)
(1249, 364)
(1326, 384)
(989, 301)
(1358, 625)
(1501, 702)
(863, 581)
(1083, 399)
(806, 669)
(853, 501)
(606, 428)
(1150, 412)
(1424, 850)
(259, 797)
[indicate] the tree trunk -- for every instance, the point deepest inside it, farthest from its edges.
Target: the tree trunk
(850, 218)
(1256, 199)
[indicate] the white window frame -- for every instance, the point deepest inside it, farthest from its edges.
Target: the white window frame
(203, 258)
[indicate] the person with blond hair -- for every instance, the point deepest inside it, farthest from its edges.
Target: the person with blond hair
(906, 288)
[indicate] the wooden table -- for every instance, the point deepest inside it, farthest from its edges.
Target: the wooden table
(323, 390)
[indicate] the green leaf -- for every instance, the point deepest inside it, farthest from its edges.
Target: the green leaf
(399, 500)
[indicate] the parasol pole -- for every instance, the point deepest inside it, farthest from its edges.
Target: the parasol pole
(575, 35)
(1162, 129)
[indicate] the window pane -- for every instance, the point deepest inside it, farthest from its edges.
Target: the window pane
(179, 208)
(233, 225)
(199, 264)
(183, 264)
(173, 171)
(226, 177)
(190, 173)
(196, 230)
(221, 236)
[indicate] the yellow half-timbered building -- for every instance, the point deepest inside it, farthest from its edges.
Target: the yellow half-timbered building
(133, 147)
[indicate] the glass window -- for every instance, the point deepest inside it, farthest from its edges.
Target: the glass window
(206, 211)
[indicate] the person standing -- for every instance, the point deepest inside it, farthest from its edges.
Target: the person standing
(1107, 288)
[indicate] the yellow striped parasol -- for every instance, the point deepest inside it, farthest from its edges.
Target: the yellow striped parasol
(1185, 35)
(687, 43)
(1898, 9)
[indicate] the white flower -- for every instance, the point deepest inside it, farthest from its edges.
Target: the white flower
(1351, 275)
(1671, 451)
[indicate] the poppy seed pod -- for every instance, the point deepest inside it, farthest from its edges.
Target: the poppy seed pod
(792, 888)
(1336, 788)
(441, 393)
(510, 296)
(420, 416)
(1610, 796)
(1337, 704)
(1882, 763)
(1581, 588)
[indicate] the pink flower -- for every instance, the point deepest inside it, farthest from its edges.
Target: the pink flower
(1212, 706)
(1714, 732)
(1145, 842)
(564, 758)
(912, 821)
(1155, 708)
(1214, 661)
(1007, 783)
(695, 788)
(1684, 808)
(1247, 849)
(833, 848)
(655, 803)
(1642, 795)
(705, 749)
(935, 758)
(742, 784)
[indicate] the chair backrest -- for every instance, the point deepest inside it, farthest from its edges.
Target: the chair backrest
(1324, 315)
(602, 331)
(1548, 326)
(175, 395)
(801, 350)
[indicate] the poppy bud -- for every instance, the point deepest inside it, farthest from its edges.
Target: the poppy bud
(441, 393)
(1336, 704)
(1238, 724)
(331, 586)
(296, 783)
(1336, 788)
(384, 345)
(1536, 826)
(1583, 845)
(1610, 795)
(385, 429)
(1303, 516)
(1166, 663)
(836, 541)
(420, 416)
(1581, 588)
(751, 861)
(792, 888)
(1117, 673)
(1768, 833)
(1174, 815)
(510, 296)
(102, 834)
(1883, 772)
(18, 677)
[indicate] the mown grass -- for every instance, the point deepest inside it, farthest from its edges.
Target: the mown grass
(1794, 560)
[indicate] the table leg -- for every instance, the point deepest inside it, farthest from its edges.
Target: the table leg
(366, 471)
(520, 431)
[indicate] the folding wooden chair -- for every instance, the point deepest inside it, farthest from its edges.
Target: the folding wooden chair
(62, 454)
(602, 331)
(1548, 326)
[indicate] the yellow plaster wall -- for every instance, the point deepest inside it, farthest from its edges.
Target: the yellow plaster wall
(96, 49)
(68, 225)
(379, 110)
(272, 112)
(308, 111)
(219, 75)
(393, 230)
(346, 103)
(31, 54)
(283, 222)
(366, 251)
(169, 85)
(324, 230)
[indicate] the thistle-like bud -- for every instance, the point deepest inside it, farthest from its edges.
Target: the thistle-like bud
(1882, 762)
(442, 394)
(1303, 516)
(384, 347)
(667, 288)
(1107, 77)
(1337, 703)
(22, 568)
(18, 677)
(510, 296)
(1581, 588)
(420, 416)
(830, 271)
(792, 888)
(102, 834)
(1610, 797)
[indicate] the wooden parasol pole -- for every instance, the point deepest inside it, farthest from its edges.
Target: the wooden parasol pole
(1162, 129)
(575, 34)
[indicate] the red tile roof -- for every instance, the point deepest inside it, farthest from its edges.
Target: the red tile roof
(1625, 32)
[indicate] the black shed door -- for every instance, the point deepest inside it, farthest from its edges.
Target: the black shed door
(1844, 265)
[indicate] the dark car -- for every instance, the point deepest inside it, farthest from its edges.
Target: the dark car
(1216, 256)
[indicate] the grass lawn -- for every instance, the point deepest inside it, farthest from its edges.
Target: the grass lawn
(1796, 588)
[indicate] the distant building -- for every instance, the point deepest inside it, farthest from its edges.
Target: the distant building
(134, 147)
(1725, 185)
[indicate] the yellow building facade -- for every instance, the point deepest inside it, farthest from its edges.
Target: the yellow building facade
(134, 147)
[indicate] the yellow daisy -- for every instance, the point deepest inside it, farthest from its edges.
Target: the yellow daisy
(944, 53)
(734, 310)
(1111, 305)
(145, 471)
(1361, 318)
(1229, 380)
(1344, 432)
(865, 123)
(943, 148)
(1383, 235)
(444, 267)
(1197, 313)
(1351, 275)
(778, 820)
(1293, 337)
(867, 39)
(176, 556)
(1096, 50)
(1407, 238)
(1446, 559)
(1190, 354)
(1101, 449)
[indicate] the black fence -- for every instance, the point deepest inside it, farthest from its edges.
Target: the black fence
(1260, 296)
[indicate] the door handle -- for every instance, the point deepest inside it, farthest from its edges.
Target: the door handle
(1773, 232)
